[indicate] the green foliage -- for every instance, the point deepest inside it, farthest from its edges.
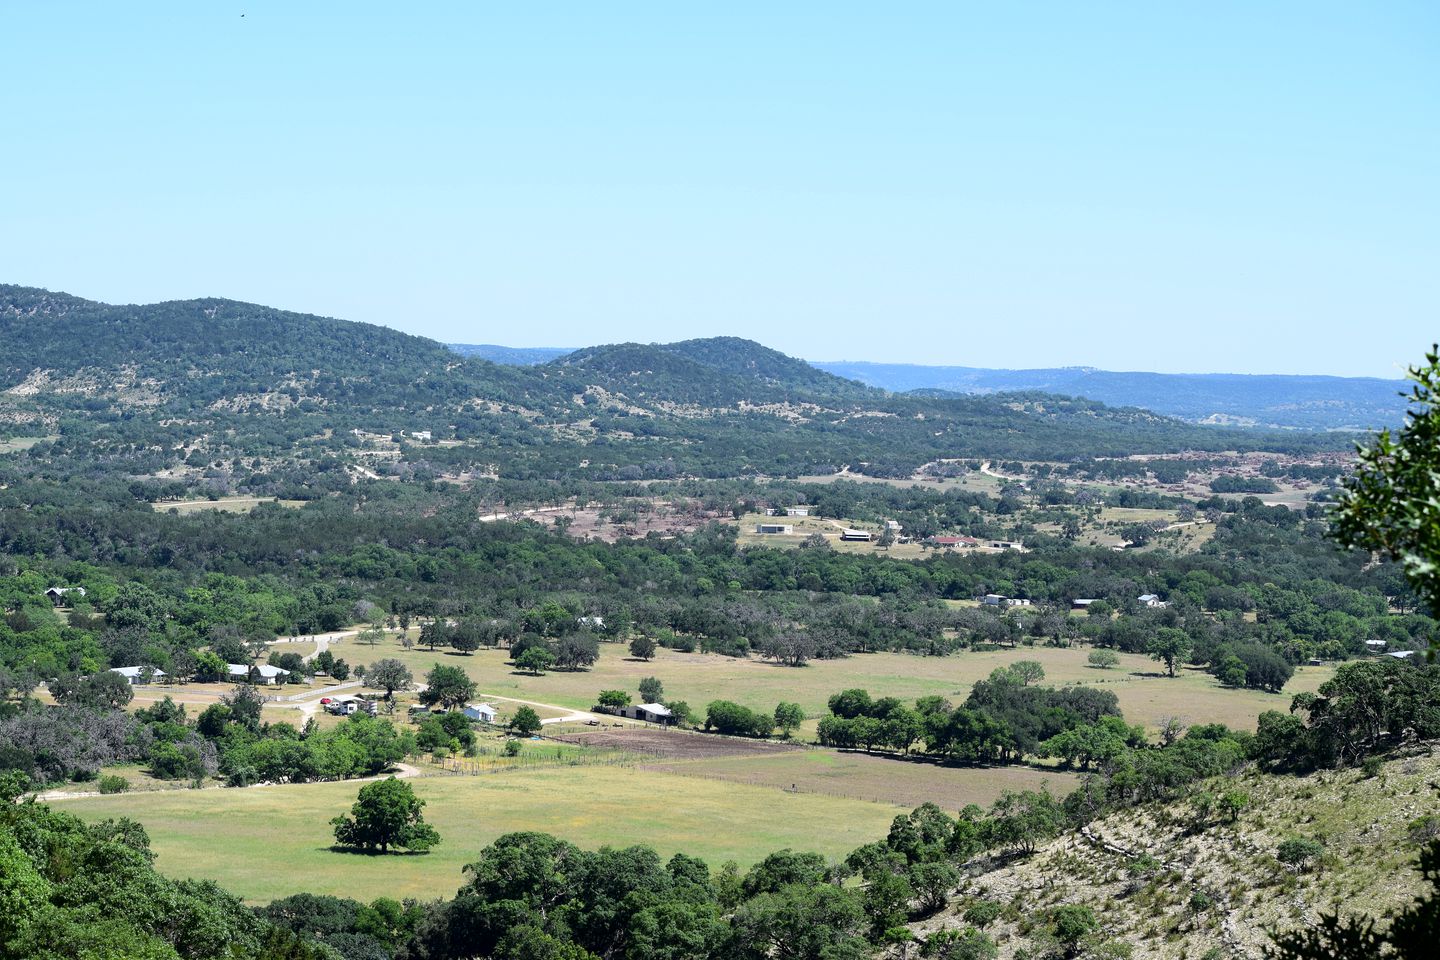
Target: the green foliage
(525, 721)
(1298, 851)
(613, 699)
(388, 674)
(959, 944)
(1169, 646)
(982, 913)
(1103, 659)
(1391, 503)
(788, 716)
(68, 891)
(651, 690)
(536, 660)
(642, 647)
(386, 814)
(448, 687)
(110, 783)
(725, 717)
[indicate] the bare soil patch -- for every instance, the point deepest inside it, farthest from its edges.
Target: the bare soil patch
(678, 745)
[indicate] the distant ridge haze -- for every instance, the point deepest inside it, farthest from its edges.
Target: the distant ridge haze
(1287, 401)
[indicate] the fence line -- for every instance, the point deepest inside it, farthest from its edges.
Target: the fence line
(455, 766)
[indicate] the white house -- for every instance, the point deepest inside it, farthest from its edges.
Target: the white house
(1151, 600)
(849, 533)
(781, 528)
(137, 674)
(893, 525)
(1375, 646)
(420, 435)
(593, 622)
(797, 511)
(483, 712)
(263, 673)
(994, 599)
(1005, 545)
(1080, 603)
(57, 594)
(649, 712)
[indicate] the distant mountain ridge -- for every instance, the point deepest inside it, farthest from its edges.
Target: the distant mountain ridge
(510, 356)
(1263, 400)
(1270, 401)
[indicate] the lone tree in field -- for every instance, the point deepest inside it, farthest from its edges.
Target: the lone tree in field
(651, 690)
(388, 674)
(642, 648)
(386, 814)
(536, 660)
(1103, 659)
(788, 716)
(525, 722)
(448, 687)
(1169, 646)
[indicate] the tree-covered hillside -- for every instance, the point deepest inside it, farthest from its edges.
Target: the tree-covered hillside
(187, 388)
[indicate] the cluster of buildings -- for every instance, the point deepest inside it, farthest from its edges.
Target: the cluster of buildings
(262, 674)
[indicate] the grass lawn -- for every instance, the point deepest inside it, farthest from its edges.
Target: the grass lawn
(268, 842)
(876, 778)
(1145, 696)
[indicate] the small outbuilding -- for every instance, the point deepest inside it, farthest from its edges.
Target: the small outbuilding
(649, 712)
(775, 528)
(58, 595)
(137, 675)
(855, 536)
(262, 673)
(1151, 600)
(480, 712)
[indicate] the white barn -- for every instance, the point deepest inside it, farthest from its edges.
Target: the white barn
(649, 712)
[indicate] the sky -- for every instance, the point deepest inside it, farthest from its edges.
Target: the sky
(1232, 187)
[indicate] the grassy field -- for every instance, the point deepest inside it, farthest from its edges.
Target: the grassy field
(1145, 696)
(224, 504)
(21, 443)
(876, 778)
(268, 842)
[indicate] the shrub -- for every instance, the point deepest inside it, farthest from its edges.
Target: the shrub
(513, 747)
(983, 913)
(1103, 659)
(113, 784)
(1298, 851)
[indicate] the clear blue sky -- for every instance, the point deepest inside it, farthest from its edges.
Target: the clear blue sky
(1179, 187)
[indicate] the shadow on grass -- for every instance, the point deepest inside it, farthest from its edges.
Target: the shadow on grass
(336, 848)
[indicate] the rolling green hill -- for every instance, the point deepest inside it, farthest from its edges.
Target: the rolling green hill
(175, 389)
